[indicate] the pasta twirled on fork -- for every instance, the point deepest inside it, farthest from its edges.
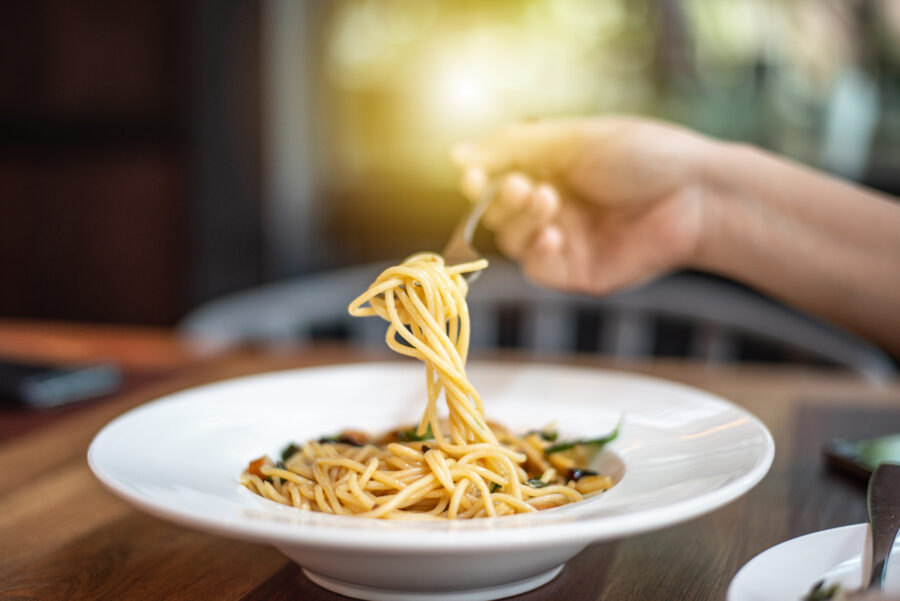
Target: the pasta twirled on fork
(458, 467)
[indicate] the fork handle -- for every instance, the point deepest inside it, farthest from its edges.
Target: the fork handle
(884, 510)
(459, 246)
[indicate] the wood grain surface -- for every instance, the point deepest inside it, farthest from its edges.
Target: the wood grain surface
(63, 536)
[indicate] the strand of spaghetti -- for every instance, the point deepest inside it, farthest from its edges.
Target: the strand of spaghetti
(466, 472)
(344, 462)
(423, 314)
(439, 468)
(549, 500)
(385, 478)
(476, 510)
(402, 450)
(430, 417)
(436, 334)
(321, 502)
(441, 505)
(469, 473)
(370, 469)
(427, 353)
(367, 499)
(274, 494)
(465, 416)
(469, 267)
(252, 481)
(284, 474)
(458, 471)
(547, 491)
(349, 500)
(497, 461)
(325, 482)
(295, 496)
(406, 495)
(512, 501)
(456, 498)
(486, 496)
(412, 494)
(409, 516)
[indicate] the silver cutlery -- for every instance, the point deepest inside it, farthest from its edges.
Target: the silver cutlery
(884, 519)
(883, 500)
(459, 248)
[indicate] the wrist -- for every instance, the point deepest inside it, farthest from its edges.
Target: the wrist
(726, 213)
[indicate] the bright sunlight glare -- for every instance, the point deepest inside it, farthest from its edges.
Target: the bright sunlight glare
(462, 95)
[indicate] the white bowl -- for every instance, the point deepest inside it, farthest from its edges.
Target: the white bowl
(681, 453)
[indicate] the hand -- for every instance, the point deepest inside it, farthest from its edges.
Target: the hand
(592, 205)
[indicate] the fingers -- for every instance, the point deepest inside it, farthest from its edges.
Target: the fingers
(520, 209)
(538, 209)
(558, 254)
(513, 196)
(544, 261)
(472, 183)
(539, 147)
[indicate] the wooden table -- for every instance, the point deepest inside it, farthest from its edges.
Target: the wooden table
(63, 536)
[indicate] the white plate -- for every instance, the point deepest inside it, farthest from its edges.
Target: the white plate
(787, 571)
(685, 452)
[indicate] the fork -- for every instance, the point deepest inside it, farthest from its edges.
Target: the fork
(884, 521)
(459, 248)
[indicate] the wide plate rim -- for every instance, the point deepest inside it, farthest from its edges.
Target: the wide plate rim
(448, 537)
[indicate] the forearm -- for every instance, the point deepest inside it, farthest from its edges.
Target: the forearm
(821, 244)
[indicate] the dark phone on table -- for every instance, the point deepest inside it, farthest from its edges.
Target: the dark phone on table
(860, 457)
(37, 385)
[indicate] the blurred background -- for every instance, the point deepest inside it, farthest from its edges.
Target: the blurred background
(155, 155)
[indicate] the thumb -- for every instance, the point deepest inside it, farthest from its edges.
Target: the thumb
(541, 148)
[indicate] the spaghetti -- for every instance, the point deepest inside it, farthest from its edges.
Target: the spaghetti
(458, 467)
